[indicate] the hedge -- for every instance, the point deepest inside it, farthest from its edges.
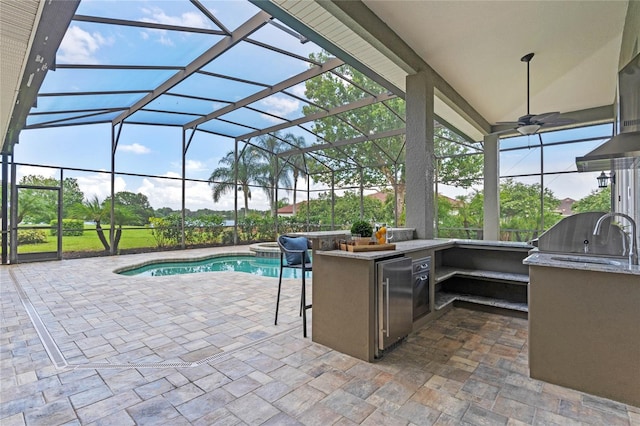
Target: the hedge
(31, 236)
(70, 227)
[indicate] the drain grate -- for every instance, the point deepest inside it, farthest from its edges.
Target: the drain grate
(45, 337)
(133, 365)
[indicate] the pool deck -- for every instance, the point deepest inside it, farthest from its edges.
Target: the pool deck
(83, 345)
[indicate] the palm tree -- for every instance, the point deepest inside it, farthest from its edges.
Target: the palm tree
(223, 179)
(296, 163)
(265, 148)
(94, 211)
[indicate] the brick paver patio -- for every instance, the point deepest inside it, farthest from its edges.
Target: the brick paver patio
(82, 345)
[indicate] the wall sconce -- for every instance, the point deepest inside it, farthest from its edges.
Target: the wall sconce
(603, 180)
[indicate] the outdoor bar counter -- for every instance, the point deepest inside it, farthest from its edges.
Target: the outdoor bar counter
(583, 314)
(584, 324)
(344, 285)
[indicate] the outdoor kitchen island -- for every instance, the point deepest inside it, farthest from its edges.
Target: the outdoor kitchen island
(584, 324)
(345, 311)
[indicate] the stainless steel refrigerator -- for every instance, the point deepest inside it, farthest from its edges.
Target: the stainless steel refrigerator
(394, 300)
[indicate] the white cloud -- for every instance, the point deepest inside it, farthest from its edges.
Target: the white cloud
(165, 41)
(79, 46)
(136, 148)
(99, 185)
(162, 192)
(168, 193)
(94, 184)
(194, 169)
(299, 90)
(46, 172)
(573, 185)
(187, 19)
(279, 106)
(195, 166)
(158, 16)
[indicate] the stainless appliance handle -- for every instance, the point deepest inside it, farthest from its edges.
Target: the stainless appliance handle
(387, 303)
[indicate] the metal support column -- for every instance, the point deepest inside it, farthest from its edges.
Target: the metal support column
(361, 194)
(183, 198)
(395, 195)
(13, 236)
(274, 209)
(5, 210)
(333, 200)
(541, 184)
(235, 196)
(60, 214)
(112, 214)
(308, 200)
(436, 200)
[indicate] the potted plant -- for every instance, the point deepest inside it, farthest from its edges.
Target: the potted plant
(361, 232)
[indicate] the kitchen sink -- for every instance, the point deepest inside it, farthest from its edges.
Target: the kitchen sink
(597, 261)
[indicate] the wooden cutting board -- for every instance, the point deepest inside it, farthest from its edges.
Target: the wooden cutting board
(371, 247)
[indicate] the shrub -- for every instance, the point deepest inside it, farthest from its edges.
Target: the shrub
(70, 227)
(255, 227)
(161, 231)
(227, 237)
(206, 229)
(362, 228)
(31, 236)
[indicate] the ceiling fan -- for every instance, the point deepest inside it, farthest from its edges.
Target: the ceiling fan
(529, 124)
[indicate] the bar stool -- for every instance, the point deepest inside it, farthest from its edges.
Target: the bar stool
(296, 252)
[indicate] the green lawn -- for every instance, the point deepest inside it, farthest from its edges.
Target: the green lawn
(131, 238)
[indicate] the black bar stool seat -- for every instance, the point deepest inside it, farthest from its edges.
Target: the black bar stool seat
(294, 254)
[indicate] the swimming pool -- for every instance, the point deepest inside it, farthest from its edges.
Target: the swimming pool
(264, 267)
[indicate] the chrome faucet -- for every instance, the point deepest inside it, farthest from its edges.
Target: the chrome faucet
(633, 248)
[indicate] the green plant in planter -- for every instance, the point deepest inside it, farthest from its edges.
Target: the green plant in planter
(361, 228)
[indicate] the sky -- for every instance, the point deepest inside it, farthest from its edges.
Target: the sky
(155, 150)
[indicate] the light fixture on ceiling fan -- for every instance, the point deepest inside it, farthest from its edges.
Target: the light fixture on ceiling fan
(529, 124)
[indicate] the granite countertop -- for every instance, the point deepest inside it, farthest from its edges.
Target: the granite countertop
(585, 263)
(403, 247)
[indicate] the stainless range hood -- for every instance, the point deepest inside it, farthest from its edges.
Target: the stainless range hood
(623, 150)
(619, 152)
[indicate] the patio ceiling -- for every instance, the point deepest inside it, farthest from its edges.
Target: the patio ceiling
(476, 46)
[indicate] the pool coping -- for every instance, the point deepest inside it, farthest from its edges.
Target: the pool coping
(148, 262)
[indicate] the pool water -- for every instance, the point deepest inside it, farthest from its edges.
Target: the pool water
(250, 264)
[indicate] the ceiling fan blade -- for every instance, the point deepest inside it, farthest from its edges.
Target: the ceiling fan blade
(558, 122)
(544, 118)
(499, 132)
(508, 123)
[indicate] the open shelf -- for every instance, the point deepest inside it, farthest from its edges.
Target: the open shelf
(487, 276)
(446, 272)
(444, 298)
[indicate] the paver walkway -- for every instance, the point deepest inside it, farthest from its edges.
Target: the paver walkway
(82, 345)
